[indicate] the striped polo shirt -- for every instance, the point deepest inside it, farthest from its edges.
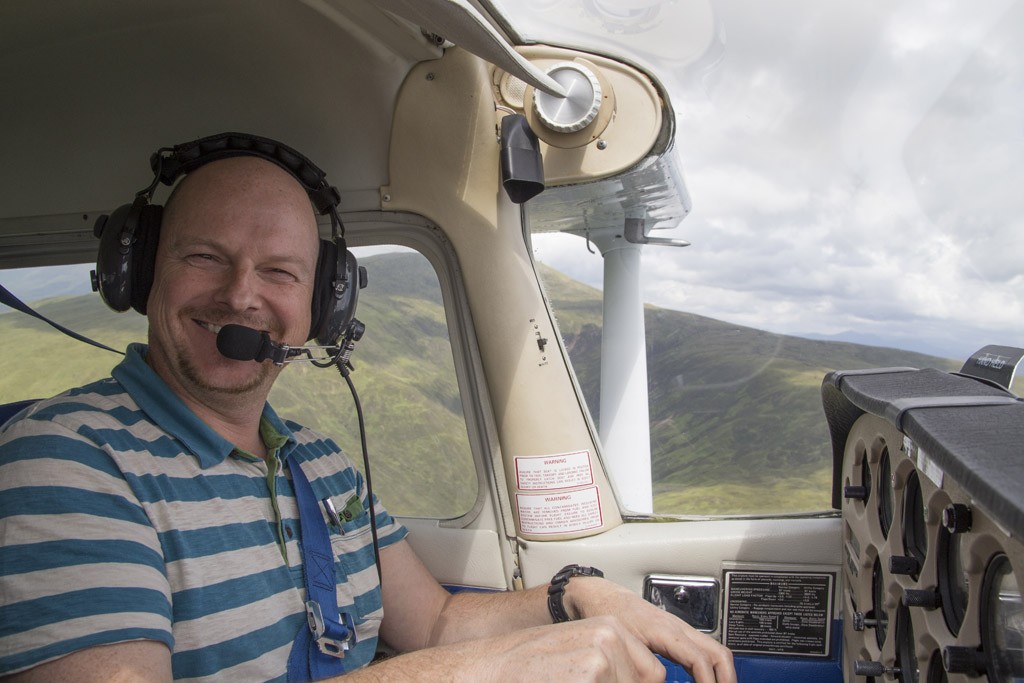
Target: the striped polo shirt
(124, 517)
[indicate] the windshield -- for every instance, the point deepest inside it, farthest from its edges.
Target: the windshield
(853, 166)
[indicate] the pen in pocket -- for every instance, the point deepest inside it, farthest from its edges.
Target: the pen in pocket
(332, 514)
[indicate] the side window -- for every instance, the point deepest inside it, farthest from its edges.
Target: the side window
(39, 361)
(416, 435)
(736, 423)
(419, 451)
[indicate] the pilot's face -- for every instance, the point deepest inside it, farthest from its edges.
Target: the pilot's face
(238, 244)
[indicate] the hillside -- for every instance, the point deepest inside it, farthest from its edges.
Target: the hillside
(404, 375)
(736, 418)
(736, 415)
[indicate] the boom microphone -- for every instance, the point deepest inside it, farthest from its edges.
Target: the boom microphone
(239, 342)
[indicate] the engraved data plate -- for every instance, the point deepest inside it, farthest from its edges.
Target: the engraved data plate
(778, 613)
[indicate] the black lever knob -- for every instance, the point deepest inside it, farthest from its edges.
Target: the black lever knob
(860, 622)
(957, 659)
(928, 598)
(855, 492)
(957, 518)
(874, 669)
(904, 565)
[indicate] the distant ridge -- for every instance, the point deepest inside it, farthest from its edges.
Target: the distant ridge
(864, 339)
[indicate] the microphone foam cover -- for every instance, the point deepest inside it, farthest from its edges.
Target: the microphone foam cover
(238, 342)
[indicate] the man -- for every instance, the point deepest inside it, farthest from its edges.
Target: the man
(182, 561)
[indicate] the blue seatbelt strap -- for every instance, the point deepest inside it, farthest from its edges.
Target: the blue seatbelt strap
(318, 650)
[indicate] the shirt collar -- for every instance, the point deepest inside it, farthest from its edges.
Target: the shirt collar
(170, 413)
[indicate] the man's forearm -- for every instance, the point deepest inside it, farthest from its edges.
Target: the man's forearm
(592, 650)
(471, 615)
(419, 613)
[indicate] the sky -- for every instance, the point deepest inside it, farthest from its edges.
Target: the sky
(855, 167)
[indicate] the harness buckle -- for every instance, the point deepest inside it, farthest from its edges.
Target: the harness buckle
(333, 639)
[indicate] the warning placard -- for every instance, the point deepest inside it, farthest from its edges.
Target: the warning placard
(778, 613)
(559, 513)
(549, 472)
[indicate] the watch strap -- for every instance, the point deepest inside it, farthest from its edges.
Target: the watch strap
(556, 591)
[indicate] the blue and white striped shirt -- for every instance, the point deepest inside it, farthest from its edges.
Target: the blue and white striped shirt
(124, 517)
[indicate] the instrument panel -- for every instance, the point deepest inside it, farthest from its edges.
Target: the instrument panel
(932, 581)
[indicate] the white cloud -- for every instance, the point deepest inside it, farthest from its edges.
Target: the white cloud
(852, 174)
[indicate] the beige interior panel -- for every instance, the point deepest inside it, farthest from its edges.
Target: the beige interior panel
(461, 557)
(453, 180)
(626, 129)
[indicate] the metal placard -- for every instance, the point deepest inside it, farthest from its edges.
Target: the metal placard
(778, 613)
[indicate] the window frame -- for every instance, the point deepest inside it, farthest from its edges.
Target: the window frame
(373, 228)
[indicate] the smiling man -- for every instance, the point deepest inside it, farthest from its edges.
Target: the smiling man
(209, 272)
(155, 516)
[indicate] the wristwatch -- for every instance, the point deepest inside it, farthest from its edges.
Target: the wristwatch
(557, 589)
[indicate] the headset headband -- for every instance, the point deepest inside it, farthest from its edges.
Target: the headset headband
(126, 258)
(168, 163)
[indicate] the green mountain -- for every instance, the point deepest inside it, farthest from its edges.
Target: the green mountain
(736, 420)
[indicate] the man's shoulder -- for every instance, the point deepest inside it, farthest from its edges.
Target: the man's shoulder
(102, 395)
(103, 403)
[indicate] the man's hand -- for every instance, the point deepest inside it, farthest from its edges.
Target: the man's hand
(704, 657)
(598, 649)
(590, 650)
(601, 648)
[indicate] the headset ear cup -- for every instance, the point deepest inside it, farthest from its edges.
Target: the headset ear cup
(331, 314)
(127, 254)
(112, 258)
(143, 262)
(323, 288)
(342, 309)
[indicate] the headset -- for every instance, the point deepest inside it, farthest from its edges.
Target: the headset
(130, 234)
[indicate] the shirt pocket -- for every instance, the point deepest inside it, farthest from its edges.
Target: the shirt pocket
(358, 586)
